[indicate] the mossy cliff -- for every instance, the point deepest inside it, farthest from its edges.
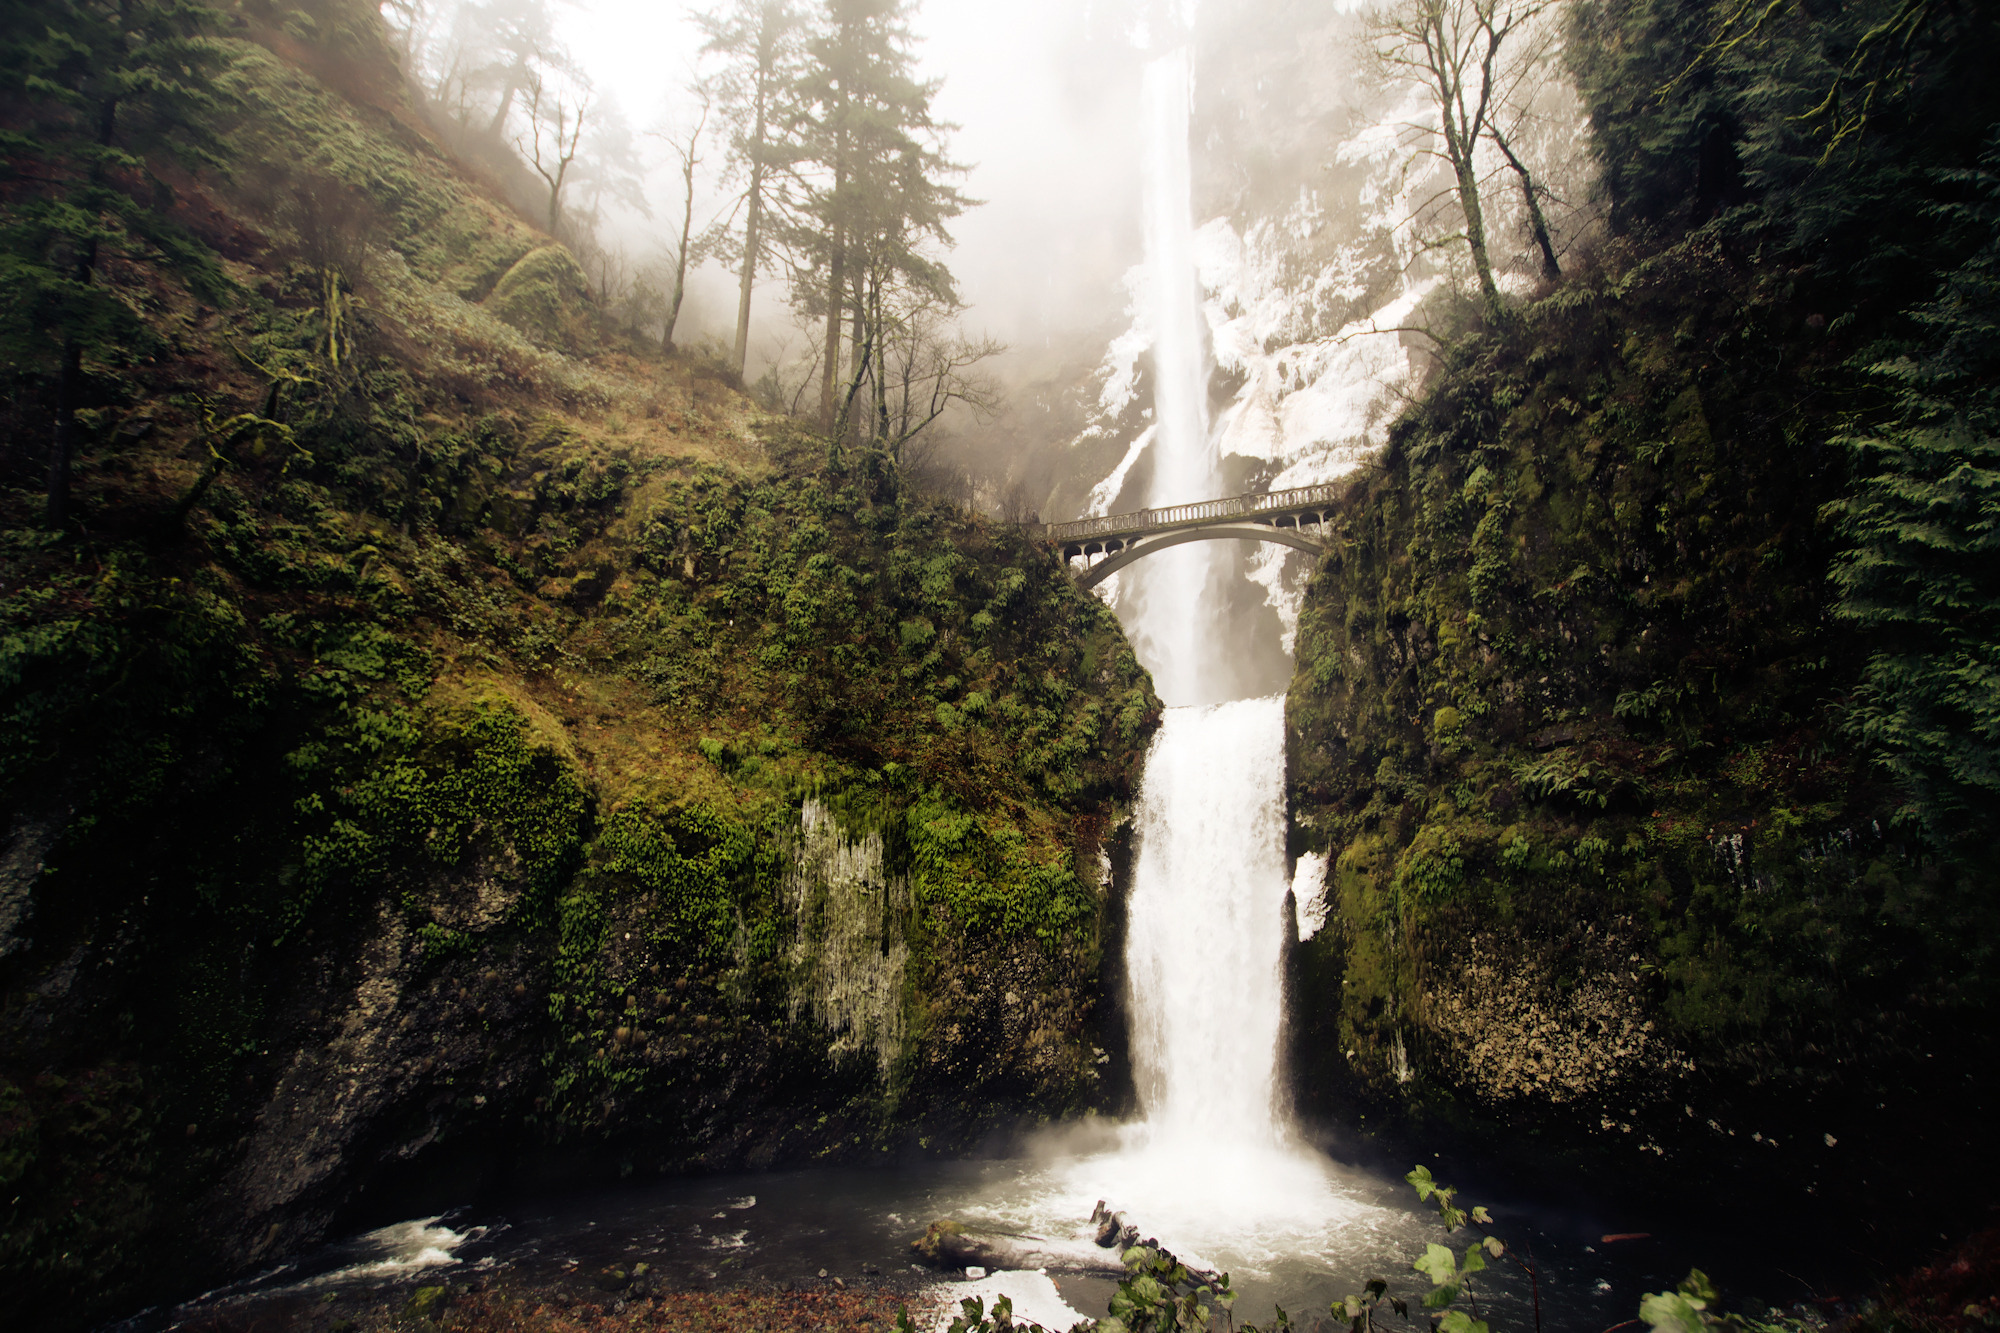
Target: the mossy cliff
(448, 748)
(1617, 872)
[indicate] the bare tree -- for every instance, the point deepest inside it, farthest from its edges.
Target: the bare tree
(912, 364)
(555, 128)
(1522, 74)
(1458, 50)
(687, 149)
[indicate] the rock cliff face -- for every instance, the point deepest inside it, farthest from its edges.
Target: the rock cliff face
(501, 752)
(1601, 878)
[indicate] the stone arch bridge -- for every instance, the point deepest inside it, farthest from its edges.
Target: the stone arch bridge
(1279, 516)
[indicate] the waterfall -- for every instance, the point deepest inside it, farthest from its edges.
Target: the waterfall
(1208, 893)
(1210, 1162)
(1172, 601)
(1208, 926)
(1210, 1167)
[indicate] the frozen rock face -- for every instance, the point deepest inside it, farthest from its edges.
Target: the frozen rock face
(849, 954)
(1322, 252)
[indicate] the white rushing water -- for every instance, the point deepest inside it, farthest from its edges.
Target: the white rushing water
(1208, 926)
(1211, 1167)
(1171, 601)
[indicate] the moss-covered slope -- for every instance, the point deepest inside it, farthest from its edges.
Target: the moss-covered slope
(453, 741)
(1643, 711)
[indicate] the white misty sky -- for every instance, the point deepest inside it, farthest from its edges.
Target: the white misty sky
(1047, 109)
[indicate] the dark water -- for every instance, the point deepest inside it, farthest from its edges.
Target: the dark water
(1297, 1231)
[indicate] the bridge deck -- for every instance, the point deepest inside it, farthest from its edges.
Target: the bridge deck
(1237, 508)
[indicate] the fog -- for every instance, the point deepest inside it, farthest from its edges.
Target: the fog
(1325, 222)
(1043, 95)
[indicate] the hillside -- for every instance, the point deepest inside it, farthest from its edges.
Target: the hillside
(453, 742)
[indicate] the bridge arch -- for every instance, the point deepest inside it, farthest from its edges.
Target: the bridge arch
(1248, 532)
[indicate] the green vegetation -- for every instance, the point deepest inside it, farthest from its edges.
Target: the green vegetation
(404, 737)
(1644, 712)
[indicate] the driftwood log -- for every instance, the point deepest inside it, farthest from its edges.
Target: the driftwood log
(1113, 1231)
(949, 1244)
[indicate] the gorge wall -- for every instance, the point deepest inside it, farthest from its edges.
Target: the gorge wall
(1619, 867)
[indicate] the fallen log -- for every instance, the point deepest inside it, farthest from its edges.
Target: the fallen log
(949, 1244)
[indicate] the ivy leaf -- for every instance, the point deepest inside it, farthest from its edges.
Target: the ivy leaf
(1698, 1289)
(1441, 1297)
(1671, 1312)
(1400, 1307)
(1437, 1263)
(1481, 1216)
(1494, 1247)
(1375, 1288)
(1474, 1262)
(1421, 1178)
(1458, 1321)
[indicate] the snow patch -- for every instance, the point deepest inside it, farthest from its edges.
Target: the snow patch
(1035, 1296)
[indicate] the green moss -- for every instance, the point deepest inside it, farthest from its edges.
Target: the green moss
(544, 295)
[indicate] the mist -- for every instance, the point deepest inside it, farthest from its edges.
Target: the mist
(1322, 211)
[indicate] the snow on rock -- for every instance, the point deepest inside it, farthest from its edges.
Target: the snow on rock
(1309, 893)
(1036, 1299)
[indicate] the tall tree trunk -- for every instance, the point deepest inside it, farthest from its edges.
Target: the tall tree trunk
(506, 101)
(1538, 225)
(752, 224)
(836, 283)
(69, 389)
(881, 361)
(674, 308)
(836, 291)
(1460, 150)
(681, 262)
(864, 339)
(860, 340)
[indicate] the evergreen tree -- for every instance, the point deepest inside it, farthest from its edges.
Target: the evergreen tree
(869, 223)
(101, 90)
(758, 46)
(1841, 147)
(1923, 575)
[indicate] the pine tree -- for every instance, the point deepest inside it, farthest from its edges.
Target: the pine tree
(871, 222)
(758, 46)
(108, 88)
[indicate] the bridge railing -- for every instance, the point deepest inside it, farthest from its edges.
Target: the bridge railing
(1202, 511)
